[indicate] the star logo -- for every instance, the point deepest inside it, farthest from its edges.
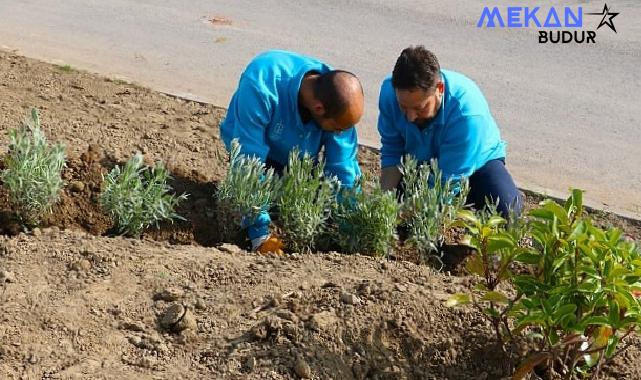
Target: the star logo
(607, 18)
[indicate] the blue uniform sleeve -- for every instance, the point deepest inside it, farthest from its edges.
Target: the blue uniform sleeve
(392, 142)
(260, 226)
(251, 109)
(341, 159)
(461, 147)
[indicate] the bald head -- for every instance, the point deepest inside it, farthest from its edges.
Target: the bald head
(341, 95)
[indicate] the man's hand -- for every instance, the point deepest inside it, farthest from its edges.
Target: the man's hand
(271, 245)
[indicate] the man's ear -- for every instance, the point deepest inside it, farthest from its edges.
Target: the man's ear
(440, 86)
(317, 108)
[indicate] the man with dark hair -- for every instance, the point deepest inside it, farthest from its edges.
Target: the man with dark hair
(286, 100)
(432, 113)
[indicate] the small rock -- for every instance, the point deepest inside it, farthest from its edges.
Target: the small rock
(169, 295)
(275, 300)
(302, 369)
(133, 326)
(178, 318)
(349, 298)
(171, 316)
(148, 362)
(77, 186)
(6, 276)
(36, 232)
(161, 348)
(230, 248)
(135, 340)
(81, 266)
(400, 288)
(200, 304)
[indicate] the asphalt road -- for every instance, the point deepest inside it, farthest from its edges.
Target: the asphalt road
(570, 113)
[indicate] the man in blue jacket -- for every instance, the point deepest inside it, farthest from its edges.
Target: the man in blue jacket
(286, 100)
(432, 113)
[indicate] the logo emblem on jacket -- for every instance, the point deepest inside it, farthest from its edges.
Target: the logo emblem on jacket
(277, 130)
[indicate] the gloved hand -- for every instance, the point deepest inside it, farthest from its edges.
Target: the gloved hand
(268, 244)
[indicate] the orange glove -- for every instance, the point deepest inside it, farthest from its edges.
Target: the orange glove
(272, 245)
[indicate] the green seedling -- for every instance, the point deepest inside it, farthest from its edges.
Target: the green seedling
(33, 171)
(248, 190)
(429, 205)
(304, 202)
(136, 196)
(495, 241)
(366, 219)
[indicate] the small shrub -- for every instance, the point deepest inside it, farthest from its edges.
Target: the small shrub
(136, 196)
(578, 301)
(429, 204)
(33, 171)
(247, 191)
(304, 202)
(581, 302)
(366, 219)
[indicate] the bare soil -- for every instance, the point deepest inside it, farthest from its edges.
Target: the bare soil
(77, 302)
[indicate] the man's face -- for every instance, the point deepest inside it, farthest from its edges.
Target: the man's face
(418, 105)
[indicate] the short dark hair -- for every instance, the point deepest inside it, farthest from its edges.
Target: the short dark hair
(416, 67)
(327, 91)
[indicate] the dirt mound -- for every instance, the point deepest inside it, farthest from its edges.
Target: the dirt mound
(76, 304)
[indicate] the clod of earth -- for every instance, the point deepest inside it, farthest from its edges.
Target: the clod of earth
(169, 295)
(302, 369)
(177, 318)
(77, 186)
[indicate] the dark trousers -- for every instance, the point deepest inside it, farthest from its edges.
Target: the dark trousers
(277, 166)
(493, 181)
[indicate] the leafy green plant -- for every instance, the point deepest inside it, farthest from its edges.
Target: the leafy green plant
(429, 204)
(577, 301)
(304, 202)
(495, 241)
(580, 303)
(247, 190)
(366, 219)
(136, 196)
(33, 169)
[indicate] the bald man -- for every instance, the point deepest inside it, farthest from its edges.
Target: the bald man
(286, 100)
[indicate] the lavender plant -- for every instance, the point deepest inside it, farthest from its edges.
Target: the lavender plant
(247, 190)
(429, 204)
(136, 196)
(304, 202)
(366, 219)
(33, 171)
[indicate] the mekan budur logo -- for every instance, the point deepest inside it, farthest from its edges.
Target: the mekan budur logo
(551, 18)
